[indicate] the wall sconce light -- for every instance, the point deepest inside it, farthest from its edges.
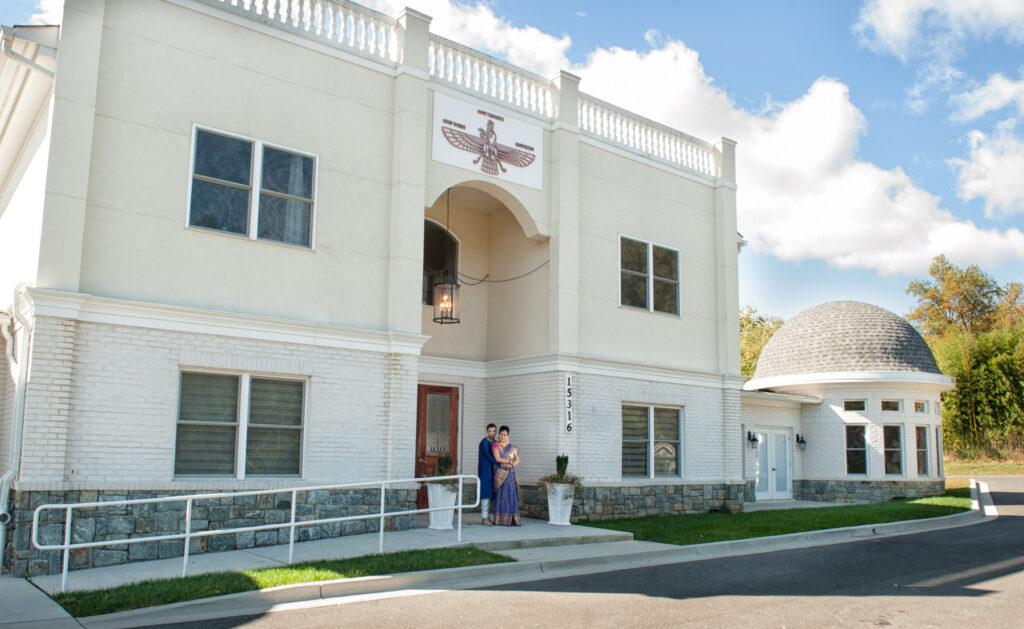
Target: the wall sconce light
(752, 439)
(801, 442)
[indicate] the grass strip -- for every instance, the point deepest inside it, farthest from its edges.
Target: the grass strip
(983, 468)
(165, 591)
(719, 527)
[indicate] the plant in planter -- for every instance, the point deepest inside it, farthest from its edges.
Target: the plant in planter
(561, 488)
(443, 493)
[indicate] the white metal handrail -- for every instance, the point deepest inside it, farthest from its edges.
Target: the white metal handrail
(187, 536)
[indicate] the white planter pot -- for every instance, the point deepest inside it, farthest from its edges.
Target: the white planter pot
(560, 504)
(441, 496)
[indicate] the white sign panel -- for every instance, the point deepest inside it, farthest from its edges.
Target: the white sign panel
(485, 139)
(570, 403)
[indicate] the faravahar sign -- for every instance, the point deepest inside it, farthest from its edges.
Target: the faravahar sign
(486, 139)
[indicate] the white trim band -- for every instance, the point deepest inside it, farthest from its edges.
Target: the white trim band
(92, 309)
(843, 377)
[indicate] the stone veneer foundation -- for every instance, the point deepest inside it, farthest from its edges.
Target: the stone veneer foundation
(603, 503)
(865, 490)
(143, 520)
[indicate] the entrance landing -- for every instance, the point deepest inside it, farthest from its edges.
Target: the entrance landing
(532, 534)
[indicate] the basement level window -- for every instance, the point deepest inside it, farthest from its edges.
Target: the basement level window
(854, 405)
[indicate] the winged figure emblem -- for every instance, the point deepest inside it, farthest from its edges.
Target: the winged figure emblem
(491, 156)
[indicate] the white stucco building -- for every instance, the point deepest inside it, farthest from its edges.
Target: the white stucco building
(221, 224)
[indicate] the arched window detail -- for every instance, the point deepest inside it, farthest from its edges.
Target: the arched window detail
(440, 251)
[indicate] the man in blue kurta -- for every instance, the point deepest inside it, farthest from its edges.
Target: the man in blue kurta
(485, 470)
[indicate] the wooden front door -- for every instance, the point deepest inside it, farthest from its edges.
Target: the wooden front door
(437, 426)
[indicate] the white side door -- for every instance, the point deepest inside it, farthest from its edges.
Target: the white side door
(774, 479)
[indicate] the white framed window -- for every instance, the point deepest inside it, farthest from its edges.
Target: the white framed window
(648, 276)
(892, 405)
(651, 441)
(251, 188)
(854, 405)
(920, 406)
(921, 443)
(856, 449)
(238, 425)
(892, 442)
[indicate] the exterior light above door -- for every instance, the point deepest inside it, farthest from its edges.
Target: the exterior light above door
(801, 442)
(447, 304)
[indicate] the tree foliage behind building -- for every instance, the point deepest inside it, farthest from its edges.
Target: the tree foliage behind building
(975, 328)
(755, 330)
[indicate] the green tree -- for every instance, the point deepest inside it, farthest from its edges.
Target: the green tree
(755, 330)
(955, 297)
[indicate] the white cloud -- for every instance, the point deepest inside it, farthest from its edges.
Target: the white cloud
(804, 194)
(477, 26)
(652, 37)
(933, 33)
(48, 12)
(994, 172)
(903, 27)
(996, 93)
(581, 14)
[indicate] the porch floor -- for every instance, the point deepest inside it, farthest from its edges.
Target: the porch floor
(532, 534)
(775, 505)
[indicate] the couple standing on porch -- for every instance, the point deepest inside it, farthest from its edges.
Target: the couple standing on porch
(499, 488)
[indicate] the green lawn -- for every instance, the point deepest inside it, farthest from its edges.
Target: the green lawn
(164, 591)
(982, 468)
(718, 527)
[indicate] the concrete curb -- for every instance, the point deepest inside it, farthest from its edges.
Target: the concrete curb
(331, 592)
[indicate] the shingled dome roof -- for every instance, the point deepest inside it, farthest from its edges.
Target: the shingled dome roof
(844, 336)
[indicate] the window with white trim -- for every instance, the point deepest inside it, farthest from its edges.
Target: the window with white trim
(921, 443)
(892, 405)
(648, 276)
(856, 450)
(920, 406)
(238, 425)
(892, 441)
(651, 441)
(938, 451)
(854, 405)
(249, 188)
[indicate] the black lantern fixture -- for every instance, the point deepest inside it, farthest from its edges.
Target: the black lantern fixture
(752, 439)
(447, 306)
(801, 442)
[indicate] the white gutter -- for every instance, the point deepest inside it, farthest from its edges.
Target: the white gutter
(18, 368)
(7, 42)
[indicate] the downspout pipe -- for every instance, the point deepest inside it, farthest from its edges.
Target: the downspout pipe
(19, 372)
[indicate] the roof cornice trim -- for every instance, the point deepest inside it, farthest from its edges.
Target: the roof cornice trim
(841, 377)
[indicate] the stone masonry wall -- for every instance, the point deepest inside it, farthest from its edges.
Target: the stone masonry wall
(865, 491)
(136, 521)
(602, 503)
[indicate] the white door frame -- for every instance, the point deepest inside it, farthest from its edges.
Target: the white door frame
(768, 453)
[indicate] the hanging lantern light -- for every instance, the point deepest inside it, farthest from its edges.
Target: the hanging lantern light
(446, 299)
(447, 305)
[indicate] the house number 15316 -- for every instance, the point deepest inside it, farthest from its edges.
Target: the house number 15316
(570, 403)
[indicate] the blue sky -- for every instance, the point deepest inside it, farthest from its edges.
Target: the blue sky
(870, 98)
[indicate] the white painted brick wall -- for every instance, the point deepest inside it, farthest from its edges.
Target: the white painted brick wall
(598, 451)
(120, 391)
(823, 426)
(529, 406)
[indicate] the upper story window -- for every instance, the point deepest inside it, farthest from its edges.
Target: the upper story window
(246, 187)
(649, 276)
(892, 405)
(920, 406)
(440, 251)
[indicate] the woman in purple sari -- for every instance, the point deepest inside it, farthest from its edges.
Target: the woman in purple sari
(505, 504)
